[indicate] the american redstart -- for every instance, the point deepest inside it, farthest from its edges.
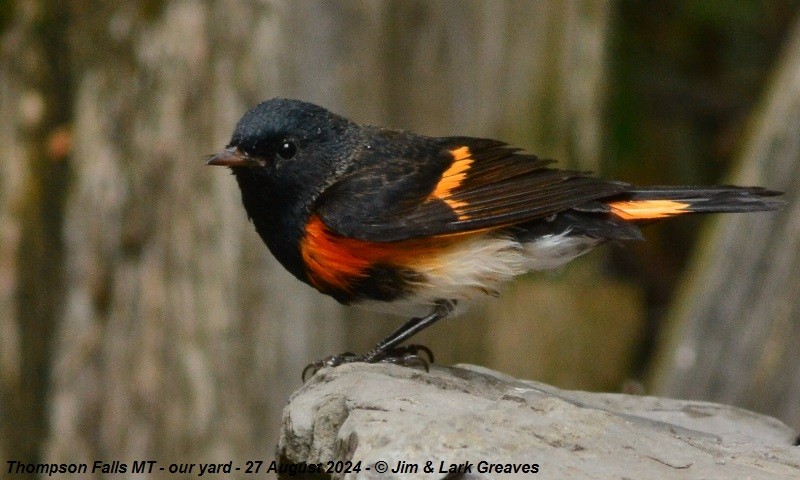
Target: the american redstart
(371, 215)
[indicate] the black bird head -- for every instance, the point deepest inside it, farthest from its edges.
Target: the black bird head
(283, 153)
(279, 131)
(287, 151)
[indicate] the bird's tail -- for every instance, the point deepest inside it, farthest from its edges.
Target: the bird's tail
(651, 203)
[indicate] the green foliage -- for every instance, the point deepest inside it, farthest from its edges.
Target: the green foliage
(685, 77)
(6, 14)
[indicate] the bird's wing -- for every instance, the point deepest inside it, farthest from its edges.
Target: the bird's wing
(469, 184)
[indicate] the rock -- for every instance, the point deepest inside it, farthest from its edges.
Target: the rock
(362, 415)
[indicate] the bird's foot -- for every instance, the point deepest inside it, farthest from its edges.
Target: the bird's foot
(407, 356)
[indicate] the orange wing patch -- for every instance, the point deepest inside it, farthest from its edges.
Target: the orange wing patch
(648, 209)
(335, 262)
(452, 178)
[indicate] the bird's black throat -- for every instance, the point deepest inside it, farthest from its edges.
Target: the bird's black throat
(278, 216)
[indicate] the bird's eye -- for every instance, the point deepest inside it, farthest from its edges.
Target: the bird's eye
(287, 149)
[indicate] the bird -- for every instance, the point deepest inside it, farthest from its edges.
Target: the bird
(422, 225)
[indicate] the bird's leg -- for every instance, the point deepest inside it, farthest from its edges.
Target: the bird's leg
(387, 350)
(389, 345)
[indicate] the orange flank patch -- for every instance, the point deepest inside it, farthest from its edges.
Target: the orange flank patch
(648, 209)
(453, 177)
(335, 262)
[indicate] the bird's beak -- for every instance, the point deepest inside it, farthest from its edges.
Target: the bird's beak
(232, 157)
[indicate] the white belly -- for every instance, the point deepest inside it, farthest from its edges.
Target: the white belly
(479, 266)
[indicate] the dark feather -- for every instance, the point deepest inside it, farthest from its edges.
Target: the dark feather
(711, 199)
(502, 187)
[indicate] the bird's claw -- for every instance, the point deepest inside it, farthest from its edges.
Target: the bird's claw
(332, 361)
(407, 356)
(407, 351)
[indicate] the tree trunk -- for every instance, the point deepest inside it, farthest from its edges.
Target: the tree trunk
(737, 320)
(35, 104)
(175, 334)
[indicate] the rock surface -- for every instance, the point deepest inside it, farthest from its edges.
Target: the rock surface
(467, 414)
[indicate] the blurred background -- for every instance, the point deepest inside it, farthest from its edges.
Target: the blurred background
(142, 318)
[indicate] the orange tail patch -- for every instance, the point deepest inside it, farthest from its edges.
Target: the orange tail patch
(648, 209)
